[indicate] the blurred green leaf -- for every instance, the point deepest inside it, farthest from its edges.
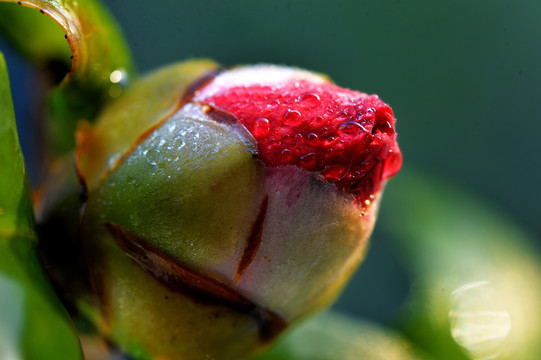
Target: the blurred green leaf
(35, 36)
(477, 280)
(333, 336)
(33, 324)
(101, 64)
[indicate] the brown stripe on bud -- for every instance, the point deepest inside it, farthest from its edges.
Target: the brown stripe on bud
(198, 288)
(254, 240)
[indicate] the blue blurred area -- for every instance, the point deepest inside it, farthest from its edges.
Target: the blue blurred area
(463, 78)
(25, 89)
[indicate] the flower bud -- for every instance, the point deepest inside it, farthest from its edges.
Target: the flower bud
(218, 221)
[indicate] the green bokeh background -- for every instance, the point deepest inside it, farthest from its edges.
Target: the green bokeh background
(463, 77)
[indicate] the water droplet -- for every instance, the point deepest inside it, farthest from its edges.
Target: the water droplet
(329, 141)
(308, 161)
(384, 127)
(351, 128)
(312, 139)
(261, 128)
(182, 144)
(273, 103)
(286, 156)
(309, 100)
(334, 172)
(343, 114)
(292, 117)
(370, 113)
(153, 157)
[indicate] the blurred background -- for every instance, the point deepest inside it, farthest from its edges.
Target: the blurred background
(463, 78)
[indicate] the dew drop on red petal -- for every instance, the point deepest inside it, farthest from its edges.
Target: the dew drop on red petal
(261, 128)
(309, 100)
(312, 139)
(292, 117)
(328, 143)
(370, 113)
(351, 128)
(383, 127)
(334, 172)
(308, 161)
(343, 114)
(273, 103)
(286, 155)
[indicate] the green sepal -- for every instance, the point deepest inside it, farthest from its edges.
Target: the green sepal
(33, 323)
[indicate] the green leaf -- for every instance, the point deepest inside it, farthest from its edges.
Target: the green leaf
(33, 324)
(35, 36)
(477, 280)
(101, 64)
(333, 336)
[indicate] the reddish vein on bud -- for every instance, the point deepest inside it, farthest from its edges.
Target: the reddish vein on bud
(302, 119)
